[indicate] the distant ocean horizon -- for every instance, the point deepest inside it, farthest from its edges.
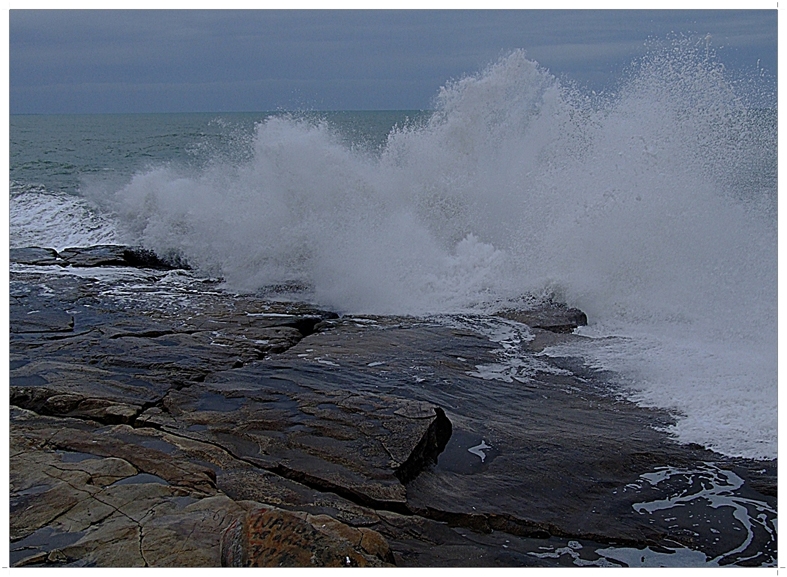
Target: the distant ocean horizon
(652, 209)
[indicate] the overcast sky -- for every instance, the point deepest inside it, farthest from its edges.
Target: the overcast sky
(219, 61)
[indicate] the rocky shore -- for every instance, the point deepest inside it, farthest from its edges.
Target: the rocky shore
(157, 420)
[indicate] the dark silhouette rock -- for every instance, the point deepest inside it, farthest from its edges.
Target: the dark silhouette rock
(117, 255)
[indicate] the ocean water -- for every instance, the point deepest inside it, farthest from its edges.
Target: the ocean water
(652, 208)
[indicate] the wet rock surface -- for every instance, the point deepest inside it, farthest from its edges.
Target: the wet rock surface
(91, 256)
(157, 420)
(550, 316)
(272, 537)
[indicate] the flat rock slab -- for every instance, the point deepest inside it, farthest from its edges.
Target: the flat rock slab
(158, 420)
(80, 495)
(84, 494)
(360, 444)
(42, 322)
(34, 255)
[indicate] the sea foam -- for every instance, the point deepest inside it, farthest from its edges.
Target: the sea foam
(38, 217)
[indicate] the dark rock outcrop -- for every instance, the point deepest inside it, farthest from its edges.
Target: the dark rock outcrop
(35, 256)
(96, 256)
(550, 316)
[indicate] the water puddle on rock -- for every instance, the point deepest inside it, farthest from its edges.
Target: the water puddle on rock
(42, 541)
(467, 453)
(141, 479)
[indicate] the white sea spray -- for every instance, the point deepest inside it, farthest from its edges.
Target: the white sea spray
(52, 220)
(646, 208)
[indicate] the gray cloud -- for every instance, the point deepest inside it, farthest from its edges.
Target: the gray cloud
(93, 61)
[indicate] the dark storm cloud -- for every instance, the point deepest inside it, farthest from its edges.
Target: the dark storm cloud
(116, 61)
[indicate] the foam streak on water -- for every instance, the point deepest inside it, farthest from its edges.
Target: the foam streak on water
(511, 363)
(652, 209)
(715, 488)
